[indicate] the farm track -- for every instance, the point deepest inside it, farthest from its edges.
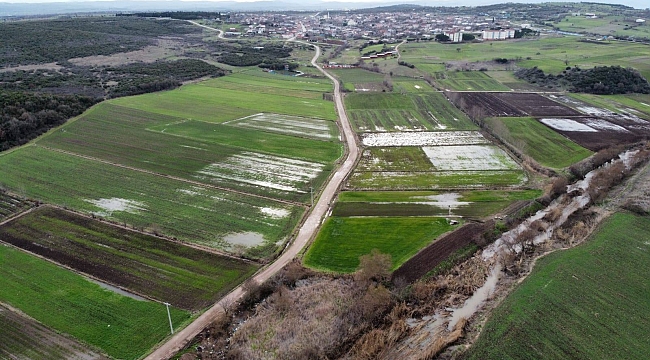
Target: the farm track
(196, 183)
(305, 234)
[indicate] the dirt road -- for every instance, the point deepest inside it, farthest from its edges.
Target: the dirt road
(308, 229)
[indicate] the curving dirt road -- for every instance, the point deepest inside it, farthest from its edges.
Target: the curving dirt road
(306, 232)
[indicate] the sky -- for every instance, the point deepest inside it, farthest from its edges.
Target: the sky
(633, 3)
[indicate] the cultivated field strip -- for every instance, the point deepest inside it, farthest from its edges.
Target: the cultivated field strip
(18, 333)
(408, 112)
(469, 157)
(206, 103)
(197, 214)
(120, 326)
(108, 133)
(468, 80)
(187, 278)
(342, 240)
(312, 128)
(266, 171)
(406, 180)
(440, 138)
(472, 204)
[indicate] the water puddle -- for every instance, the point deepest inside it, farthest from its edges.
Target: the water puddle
(248, 238)
(118, 290)
(116, 204)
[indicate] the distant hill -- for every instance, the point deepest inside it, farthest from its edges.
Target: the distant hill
(80, 6)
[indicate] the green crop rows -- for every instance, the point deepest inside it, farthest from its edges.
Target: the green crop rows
(480, 203)
(590, 302)
(538, 141)
(398, 112)
(193, 278)
(122, 327)
(468, 80)
(179, 209)
(342, 240)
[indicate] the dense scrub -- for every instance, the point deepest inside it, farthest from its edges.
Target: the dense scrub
(603, 80)
(59, 40)
(265, 56)
(24, 116)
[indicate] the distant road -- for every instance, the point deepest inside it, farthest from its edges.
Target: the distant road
(220, 36)
(306, 232)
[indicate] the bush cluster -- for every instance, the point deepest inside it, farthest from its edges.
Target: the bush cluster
(602, 80)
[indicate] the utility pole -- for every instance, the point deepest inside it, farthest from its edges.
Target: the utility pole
(170, 318)
(311, 190)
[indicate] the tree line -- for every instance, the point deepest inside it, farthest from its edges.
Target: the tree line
(602, 80)
(24, 116)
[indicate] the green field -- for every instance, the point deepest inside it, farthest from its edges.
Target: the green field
(407, 158)
(590, 302)
(265, 83)
(193, 278)
(342, 240)
(476, 203)
(399, 112)
(534, 139)
(547, 53)
(508, 79)
(469, 80)
(205, 102)
(357, 76)
(628, 103)
(179, 209)
(605, 25)
(172, 146)
(425, 180)
(18, 333)
(122, 327)
(411, 86)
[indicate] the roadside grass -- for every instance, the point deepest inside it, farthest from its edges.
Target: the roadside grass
(193, 279)
(208, 103)
(399, 112)
(395, 180)
(469, 80)
(124, 328)
(475, 203)
(538, 141)
(587, 302)
(341, 240)
(178, 209)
